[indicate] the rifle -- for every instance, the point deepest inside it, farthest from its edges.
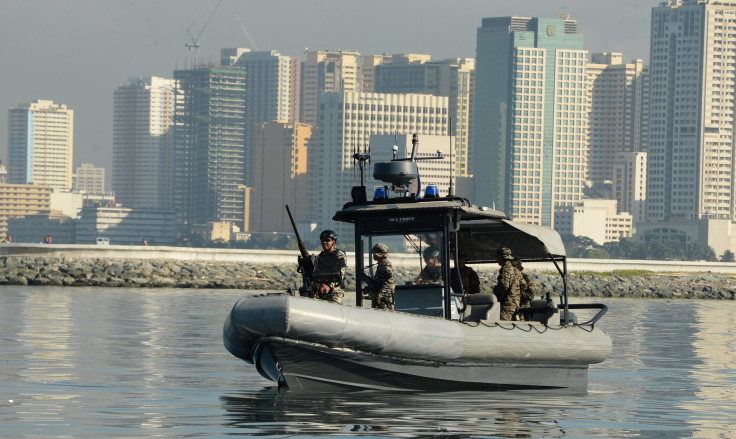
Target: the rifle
(370, 283)
(306, 265)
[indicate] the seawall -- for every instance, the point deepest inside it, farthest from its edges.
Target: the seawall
(177, 267)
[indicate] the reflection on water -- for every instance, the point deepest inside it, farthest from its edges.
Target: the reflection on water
(134, 362)
(267, 412)
(714, 345)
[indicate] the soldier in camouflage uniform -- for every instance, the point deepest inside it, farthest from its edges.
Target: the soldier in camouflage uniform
(467, 276)
(528, 287)
(382, 293)
(508, 289)
(431, 274)
(329, 270)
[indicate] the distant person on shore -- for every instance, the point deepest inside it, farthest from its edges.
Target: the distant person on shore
(329, 269)
(47, 240)
(7, 238)
(382, 289)
(144, 243)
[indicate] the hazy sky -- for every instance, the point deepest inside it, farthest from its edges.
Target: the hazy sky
(77, 52)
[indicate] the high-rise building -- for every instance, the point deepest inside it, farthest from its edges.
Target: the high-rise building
(453, 78)
(41, 143)
(143, 143)
(281, 152)
(618, 96)
(89, 178)
(368, 70)
(630, 184)
(346, 122)
(691, 147)
(209, 146)
(531, 116)
(271, 93)
(327, 71)
(272, 87)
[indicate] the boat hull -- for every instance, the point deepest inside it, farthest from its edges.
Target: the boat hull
(305, 366)
(312, 345)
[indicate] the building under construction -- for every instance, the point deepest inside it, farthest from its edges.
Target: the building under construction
(209, 146)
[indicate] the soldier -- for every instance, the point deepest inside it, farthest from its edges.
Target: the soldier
(468, 277)
(508, 288)
(431, 274)
(527, 287)
(382, 291)
(329, 270)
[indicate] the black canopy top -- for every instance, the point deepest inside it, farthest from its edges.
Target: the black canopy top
(481, 230)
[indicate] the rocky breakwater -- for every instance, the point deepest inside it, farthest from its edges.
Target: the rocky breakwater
(189, 274)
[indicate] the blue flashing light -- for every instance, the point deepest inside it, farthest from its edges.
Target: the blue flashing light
(380, 194)
(431, 192)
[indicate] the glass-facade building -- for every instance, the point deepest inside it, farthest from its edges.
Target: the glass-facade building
(531, 116)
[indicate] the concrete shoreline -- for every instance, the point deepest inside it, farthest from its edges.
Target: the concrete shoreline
(276, 271)
(249, 256)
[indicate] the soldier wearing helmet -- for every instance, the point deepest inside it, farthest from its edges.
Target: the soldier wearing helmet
(508, 288)
(383, 285)
(329, 269)
(431, 274)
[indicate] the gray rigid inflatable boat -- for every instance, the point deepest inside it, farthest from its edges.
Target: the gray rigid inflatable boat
(439, 336)
(308, 344)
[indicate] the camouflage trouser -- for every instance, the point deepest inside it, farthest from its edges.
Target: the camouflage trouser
(383, 300)
(334, 295)
(509, 306)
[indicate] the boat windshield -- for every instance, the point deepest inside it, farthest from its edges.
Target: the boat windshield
(419, 267)
(420, 257)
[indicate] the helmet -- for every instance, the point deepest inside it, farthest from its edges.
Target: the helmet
(431, 253)
(380, 250)
(328, 234)
(504, 253)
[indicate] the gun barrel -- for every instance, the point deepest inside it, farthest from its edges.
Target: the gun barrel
(308, 268)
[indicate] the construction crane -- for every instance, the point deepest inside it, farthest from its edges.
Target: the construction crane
(194, 44)
(245, 31)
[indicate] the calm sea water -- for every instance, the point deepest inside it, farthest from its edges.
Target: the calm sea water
(77, 362)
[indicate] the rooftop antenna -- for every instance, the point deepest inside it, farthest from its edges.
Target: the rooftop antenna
(194, 44)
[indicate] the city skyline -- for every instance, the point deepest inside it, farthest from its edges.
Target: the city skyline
(78, 53)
